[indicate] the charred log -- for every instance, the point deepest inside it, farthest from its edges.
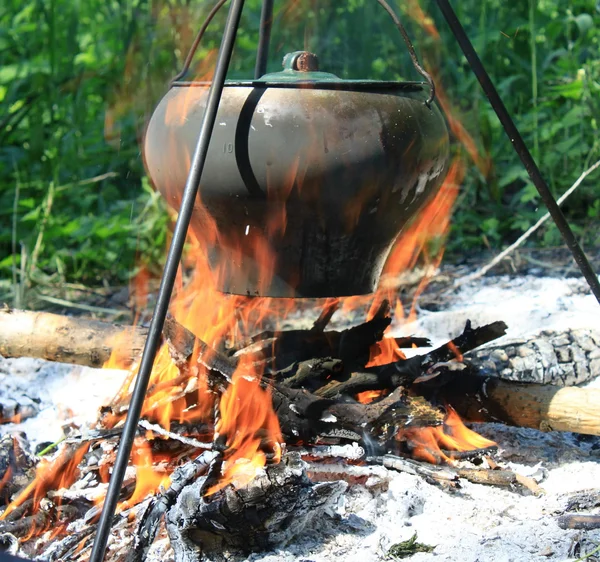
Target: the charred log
(43, 518)
(279, 350)
(404, 373)
(160, 505)
(274, 508)
(564, 358)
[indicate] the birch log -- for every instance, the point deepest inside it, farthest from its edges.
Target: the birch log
(539, 406)
(68, 339)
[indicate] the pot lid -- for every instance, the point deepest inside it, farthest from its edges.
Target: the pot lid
(301, 70)
(300, 66)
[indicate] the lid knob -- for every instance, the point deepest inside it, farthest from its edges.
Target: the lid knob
(301, 61)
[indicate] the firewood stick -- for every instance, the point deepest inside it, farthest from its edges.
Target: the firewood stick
(66, 339)
(331, 305)
(579, 521)
(544, 407)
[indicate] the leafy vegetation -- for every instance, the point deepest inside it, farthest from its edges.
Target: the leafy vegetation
(79, 79)
(406, 549)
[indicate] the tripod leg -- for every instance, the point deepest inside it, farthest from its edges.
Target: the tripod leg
(264, 38)
(167, 282)
(519, 146)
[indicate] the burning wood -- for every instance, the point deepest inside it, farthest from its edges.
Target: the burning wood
(277, 505)
(303, 387)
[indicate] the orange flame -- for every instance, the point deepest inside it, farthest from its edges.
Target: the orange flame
(384, 352)
(250, 426)
(50, 475)
(369, 396)
(222, 320)
(147, 478)
(415, 11)
(436, 444)
(5, 478)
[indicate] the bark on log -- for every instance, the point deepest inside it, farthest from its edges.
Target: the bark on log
(563, 358)
(67, 340)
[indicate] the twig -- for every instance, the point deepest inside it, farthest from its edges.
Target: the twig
(329, 309)
(483, 270)
(416, 468)
(579, 521)
(87, 181)
(588, 555)
(80, 306)
(186, 440)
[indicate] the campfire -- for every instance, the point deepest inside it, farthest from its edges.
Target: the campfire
(278, 385)
(252, 430)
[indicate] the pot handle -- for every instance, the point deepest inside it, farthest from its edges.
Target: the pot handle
(411, 51)
(197, 39)
(383, 4)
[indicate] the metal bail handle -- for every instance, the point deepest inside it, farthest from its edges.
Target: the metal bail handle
(411, 51)
(301, 61)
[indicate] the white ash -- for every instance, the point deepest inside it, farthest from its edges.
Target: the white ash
(63, 394)
(527, 304)
(476, 523)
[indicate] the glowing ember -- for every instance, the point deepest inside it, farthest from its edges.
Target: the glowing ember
(369, 396)
(436, 444)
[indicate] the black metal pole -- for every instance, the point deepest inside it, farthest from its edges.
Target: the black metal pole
(264, 38)
(520, 146)
(167, 282)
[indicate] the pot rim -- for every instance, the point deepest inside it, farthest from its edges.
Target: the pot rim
(343, 85)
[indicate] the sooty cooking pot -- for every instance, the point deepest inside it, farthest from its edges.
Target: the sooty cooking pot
(309, 179)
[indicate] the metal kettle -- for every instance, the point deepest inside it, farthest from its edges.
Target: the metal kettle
(309, 179)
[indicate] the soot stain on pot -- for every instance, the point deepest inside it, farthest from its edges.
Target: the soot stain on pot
(355, 148)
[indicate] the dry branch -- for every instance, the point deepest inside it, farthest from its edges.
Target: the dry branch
(578, 521)
(483, 270)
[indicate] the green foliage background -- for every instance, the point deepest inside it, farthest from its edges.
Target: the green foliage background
(79, 79)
